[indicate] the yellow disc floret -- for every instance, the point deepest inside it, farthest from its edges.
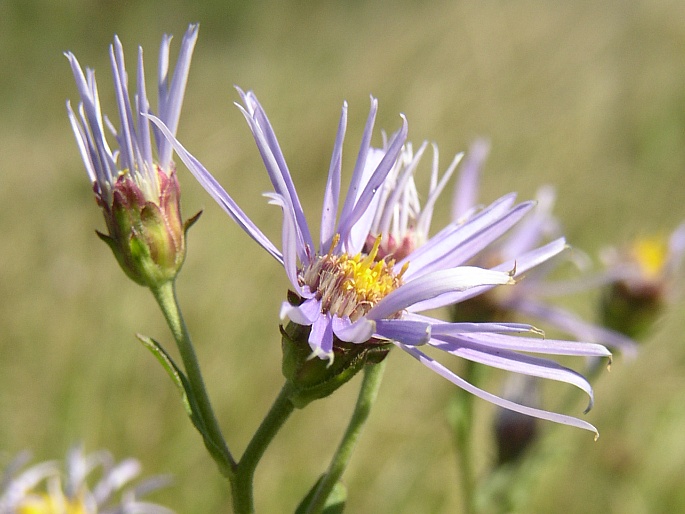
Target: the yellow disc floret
(47, 504)
(350, 286)
(367, 278)
(650, 254)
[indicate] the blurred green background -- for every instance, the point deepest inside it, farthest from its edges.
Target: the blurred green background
(589, 96)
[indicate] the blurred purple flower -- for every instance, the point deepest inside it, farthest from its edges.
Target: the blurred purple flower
(644, 278)
(45, 488)
(531, 295)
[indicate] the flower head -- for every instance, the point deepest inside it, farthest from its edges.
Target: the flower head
(136, 188)
(346, 292)
(642, 278)
(47, 489)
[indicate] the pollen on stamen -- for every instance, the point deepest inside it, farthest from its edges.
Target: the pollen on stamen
(350, 286)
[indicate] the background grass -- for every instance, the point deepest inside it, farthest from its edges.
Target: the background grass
(588, 96)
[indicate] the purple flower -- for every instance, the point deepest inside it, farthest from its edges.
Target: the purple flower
(531, 296)
(649, 264)
(642, 279)
(348, 292)
(136, 188)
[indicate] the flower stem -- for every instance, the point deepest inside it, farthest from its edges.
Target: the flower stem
(462, 424)
(243, 501)
(214, 440)
(367, 396)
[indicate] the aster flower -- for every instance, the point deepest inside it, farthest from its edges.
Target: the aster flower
(531, 296)
(45, 489)
(135, 186)
(641, 279)
(345, 293)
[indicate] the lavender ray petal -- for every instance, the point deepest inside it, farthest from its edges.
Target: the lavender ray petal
(17, 487)
(163, 77)
(412, 333)
(466, 243)
(499, 328)
(676, 250)
(331, 197)
(396, 192)
(82, 142)
(353, 190)
(279, 184)
(93, 112)
(535, 257)
(500, 402)
(514, 362)
(531, 344)
(321, 337)
(304, 314)
(536, 228)
(92, 120)
(435, 284)
(218, 193)
(274, 161)
(171, 103)
(126, 136)
(577, 327)
(444, 328)
(143, 106)
(466, 190)
(103, 160)
(450, 237)
(522, 264)
(483, 217)
(424, 221)
(359, 232)
(358, 332)
(289, 248)
(375, 182)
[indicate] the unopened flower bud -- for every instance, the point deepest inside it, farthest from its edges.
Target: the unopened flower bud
(139, 194)
(146, 236)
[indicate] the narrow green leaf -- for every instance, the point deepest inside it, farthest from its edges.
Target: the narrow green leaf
(177, 377)
(335, 503)
(187, 397)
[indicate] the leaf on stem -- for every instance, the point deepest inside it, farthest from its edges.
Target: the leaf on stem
(335, 503)
(178, 378)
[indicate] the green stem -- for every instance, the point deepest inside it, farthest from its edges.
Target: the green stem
(214, 441)
(462, 421)
(243, 502)
(367, 396)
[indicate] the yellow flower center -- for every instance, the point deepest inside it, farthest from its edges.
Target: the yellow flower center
(369, 279)
(351, 286)
(650, 254)
(46, 504)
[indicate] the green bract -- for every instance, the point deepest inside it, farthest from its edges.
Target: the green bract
(146, 237)
(314, 378)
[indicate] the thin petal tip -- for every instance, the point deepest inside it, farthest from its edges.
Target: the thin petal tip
(320, 354)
